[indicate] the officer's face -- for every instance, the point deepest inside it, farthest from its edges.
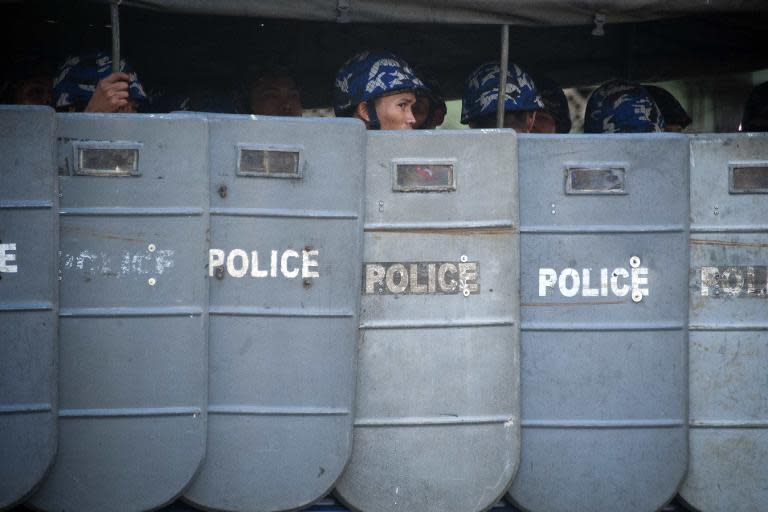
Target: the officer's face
(421, 111)
(520, 121)
(395, 112)
(129, 108)
(34, 91)
(275, 95)
(544, 123)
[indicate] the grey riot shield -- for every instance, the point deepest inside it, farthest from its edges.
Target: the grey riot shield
(729, 324)
(437, 408)
(133, 311)
(28, 299)
(604, 304)
(283, 267)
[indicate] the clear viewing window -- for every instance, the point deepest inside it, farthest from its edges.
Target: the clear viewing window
(424, 177)
(749, 179)
(270, 162)
(103, 159)
(583, 180)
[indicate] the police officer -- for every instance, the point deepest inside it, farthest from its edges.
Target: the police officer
(622, 107)
(274, 93)
(755, 118)
(675, 116)
(430, 108)
(30, 82)
(86, 83)
(556, 116)
(379, 88)
(481, 93)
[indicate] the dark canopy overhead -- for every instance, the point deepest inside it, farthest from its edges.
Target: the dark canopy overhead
(515, 12)
(174, 45)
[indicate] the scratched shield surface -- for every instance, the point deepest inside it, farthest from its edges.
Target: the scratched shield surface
(437, 409)
(286, 248)
(133, 345)
(604, 309)
(728, 324)
(28, 299)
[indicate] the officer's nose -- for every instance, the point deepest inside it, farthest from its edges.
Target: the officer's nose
(409, 119)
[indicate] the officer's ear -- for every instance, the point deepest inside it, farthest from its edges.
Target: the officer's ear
(530, 121)
(361, 112)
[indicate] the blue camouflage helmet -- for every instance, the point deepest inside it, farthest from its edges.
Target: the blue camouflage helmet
(481, 92)
(369, 75)
(619, 106)
(670, 108)
(76, 79)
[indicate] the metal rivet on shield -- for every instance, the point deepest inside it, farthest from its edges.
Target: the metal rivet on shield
(464, 258)
(222, 191)
(637, 296)
(219, 272)
(152, 281)
(634, 262)
(381, 206)
(151, 247)
(717, 210)
(466, 292)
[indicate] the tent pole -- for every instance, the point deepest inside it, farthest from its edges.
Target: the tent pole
(115, 35)
(503, 66)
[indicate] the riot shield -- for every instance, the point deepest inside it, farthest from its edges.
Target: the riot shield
(437, 410)
(729, 324)
(604, 310)
(133, 311)
(28, 299)
(283, 270)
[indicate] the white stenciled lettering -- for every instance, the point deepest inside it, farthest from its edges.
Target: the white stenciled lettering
(623, 290)
(749, 281)
(273, 264)
(421, 278)
(449, 285)
(468, 276)
(547, 279)
(164, 260)
(586, 291)
(640, 281)
(400, 284)
(284, 264)
(215, 259)
(237, 269)
(239, 263)
(7, 256)
(255, 272)
(562, 282)
(414, 279)
(308, 263)
(707, 277)
(572, 282)
(733, 281)
(125, 264)
(374, 275)
(431, 278)
(603, 282)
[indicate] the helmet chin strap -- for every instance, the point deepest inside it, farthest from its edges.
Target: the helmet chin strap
(373, 119)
